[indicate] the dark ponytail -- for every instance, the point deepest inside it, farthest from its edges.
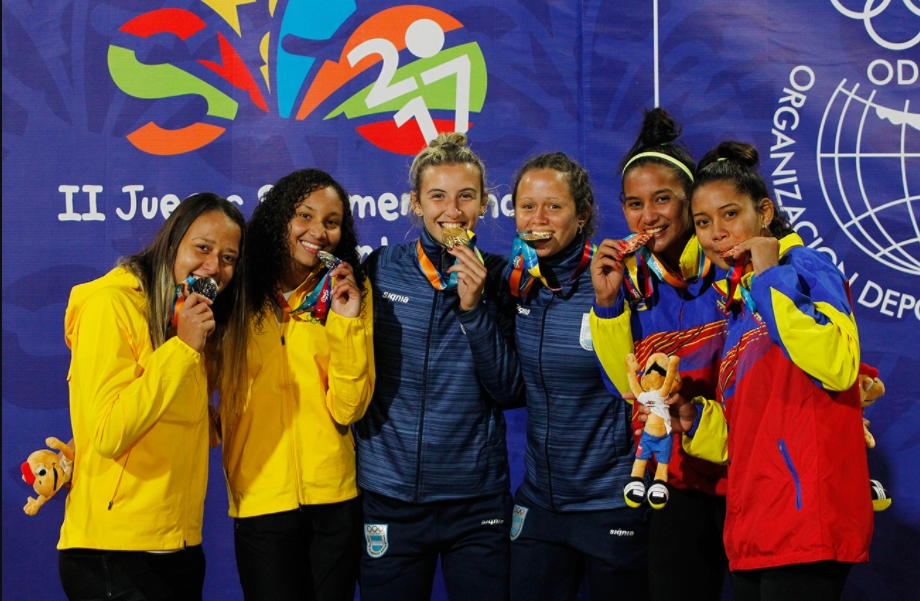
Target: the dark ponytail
(659, 134)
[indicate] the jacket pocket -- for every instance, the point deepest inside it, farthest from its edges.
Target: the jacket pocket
(795, 476)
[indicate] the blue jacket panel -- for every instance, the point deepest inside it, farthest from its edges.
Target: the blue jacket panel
(579, 445)
(434, 429)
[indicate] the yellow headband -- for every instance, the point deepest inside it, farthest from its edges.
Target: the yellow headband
(659, 155)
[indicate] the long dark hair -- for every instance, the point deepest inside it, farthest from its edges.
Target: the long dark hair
(225, 355)
(736, 162)
(269, 253)
(659, 134)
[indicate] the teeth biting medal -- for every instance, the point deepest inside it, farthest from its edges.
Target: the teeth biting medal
(635, 243)
(535, 236)
(204, 286)
(453, 236)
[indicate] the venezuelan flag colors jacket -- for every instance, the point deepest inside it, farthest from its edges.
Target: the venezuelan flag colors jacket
(140, 425)
(676, 321)
(788, 419)
(292, 444)
(434, 429)
(579, 450)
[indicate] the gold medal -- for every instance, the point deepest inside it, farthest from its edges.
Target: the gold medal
(453, 236)
(535, 236)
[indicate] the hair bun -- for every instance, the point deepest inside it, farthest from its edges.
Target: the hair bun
(448, 139)
(738, 152)
(658, 128)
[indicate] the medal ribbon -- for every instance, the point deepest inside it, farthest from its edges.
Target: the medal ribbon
(693, 265)
(431, 272)
(525, 267)
(737, 291)
(178, 301)
(317, 302)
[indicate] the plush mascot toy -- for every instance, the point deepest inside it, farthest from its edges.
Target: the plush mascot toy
(659, 379)
(871, 388)
(48, 472)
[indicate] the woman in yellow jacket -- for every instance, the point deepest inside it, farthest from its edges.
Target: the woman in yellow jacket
(289, 453)
(143, 347)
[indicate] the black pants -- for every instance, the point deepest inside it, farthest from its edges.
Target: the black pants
(818, 581)
(90, 574)
(404, 540)
(552, 551)
(307, 553)
(687, 532)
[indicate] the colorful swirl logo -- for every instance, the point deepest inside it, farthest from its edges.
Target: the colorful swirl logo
(407, 105)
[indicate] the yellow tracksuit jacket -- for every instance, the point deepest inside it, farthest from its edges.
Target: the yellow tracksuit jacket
(140, 425)
(292, 444)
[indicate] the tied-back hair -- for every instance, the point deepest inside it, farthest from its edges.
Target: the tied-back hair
(577, 177)
(659, 134)
(447, 149)
(225, 353)
(269, 252)
(736, 162)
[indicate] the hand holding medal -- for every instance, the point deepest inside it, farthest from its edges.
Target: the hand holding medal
(193, 318)
(345, 296)
(471, 273)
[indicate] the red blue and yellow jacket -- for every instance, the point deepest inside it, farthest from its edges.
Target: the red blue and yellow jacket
(677, 321)
(787, 417)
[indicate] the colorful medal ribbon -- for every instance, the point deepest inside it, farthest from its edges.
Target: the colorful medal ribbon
(431, 272)
(738, 284)
(317, 302)
(525, 267)
(693, 266)
(178, 301)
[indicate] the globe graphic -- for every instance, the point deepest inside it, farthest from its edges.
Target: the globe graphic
(869, 168)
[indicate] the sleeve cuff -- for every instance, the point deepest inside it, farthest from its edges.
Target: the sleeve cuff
(696, 422)
(614, 310)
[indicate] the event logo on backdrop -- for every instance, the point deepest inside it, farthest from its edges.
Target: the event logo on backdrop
(866, 155)
(398, 112)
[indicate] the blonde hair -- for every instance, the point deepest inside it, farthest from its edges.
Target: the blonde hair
(447, 149)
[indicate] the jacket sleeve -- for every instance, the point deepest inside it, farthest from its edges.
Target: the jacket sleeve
(351, 362)
(806, 307)
(708, 439)
(123, 397)
(611, 332)
(489, 329)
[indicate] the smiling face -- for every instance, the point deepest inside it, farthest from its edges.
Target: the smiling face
(544, 203)
(724, 218)
(655, 201)
(315, 226)
(209, 248)
(450, 195)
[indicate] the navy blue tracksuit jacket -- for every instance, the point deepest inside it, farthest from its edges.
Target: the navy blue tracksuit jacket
(579, 440)
(434, 429)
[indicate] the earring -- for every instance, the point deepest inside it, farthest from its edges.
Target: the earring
(418, 212)
(581, 225)
(482, 211)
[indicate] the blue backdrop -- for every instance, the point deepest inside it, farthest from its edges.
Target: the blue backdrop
(115, 110)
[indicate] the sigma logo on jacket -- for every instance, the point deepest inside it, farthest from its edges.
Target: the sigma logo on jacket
(522, 310)
(399, 298)
(621, 532)
(376, 535)
(492, 522)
